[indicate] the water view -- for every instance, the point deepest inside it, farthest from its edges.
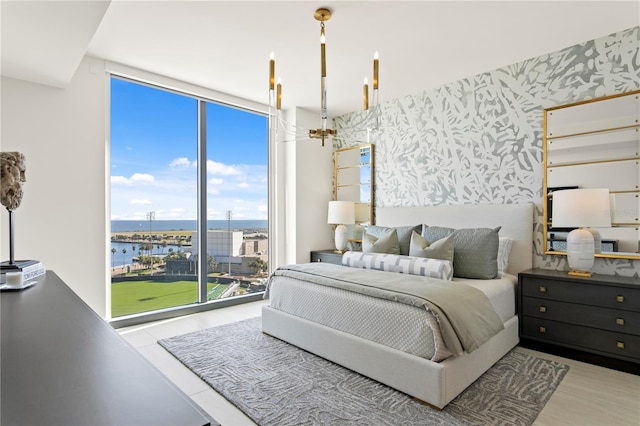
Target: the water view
(133, 250)
(183, 225)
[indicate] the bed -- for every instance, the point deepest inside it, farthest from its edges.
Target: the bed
(437, 381)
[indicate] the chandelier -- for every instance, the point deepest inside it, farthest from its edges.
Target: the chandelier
(275, 90)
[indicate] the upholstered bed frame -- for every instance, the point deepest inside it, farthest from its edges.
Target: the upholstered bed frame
(436, 383)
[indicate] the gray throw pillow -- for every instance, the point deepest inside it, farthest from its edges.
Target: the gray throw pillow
(475, 250)
(441, 249)
(387, 243)
(404, 234)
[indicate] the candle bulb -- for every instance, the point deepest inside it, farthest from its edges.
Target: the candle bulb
(375, 71)
(272, 71)
(279, 94)
(323, 58)
(365, 94)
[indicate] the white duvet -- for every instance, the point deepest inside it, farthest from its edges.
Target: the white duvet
(406, 328)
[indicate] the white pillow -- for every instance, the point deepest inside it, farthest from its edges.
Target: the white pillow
(504, 249)
(435, 268)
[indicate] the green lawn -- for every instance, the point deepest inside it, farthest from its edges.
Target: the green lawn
(132, 297)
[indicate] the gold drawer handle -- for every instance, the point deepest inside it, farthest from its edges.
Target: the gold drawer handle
(620, 299)
(620, 345)
(619, 321)
(543, 309)
(542, 289)
(543, 329)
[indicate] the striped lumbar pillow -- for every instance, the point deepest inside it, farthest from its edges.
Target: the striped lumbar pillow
(426, 267)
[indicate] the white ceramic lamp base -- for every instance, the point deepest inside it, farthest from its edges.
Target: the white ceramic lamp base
(597, 240)
(341, 237)
(580, 251)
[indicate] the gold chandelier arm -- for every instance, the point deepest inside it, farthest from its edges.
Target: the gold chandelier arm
(289, 127)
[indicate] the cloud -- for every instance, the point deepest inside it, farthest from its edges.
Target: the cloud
(215, 168)
(119, 180)
(135, 178)
(142, 177)
(229, 187)
(174, 213)
(182, 162)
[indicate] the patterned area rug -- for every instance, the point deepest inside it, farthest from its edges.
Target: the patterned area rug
(275, 383)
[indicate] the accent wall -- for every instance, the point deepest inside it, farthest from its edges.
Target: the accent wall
(480, 139)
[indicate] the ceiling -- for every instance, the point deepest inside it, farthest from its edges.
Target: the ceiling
(225, 45)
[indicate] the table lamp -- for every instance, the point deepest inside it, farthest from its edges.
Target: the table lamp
(341, 213)
(584, 209)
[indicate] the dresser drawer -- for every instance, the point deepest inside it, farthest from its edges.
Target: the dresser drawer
(590, 316)
(582, 293)
(619, 345)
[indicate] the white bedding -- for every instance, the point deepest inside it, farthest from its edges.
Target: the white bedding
(500, 291)
(407, 328)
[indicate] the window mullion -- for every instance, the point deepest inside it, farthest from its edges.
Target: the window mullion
(202, 202)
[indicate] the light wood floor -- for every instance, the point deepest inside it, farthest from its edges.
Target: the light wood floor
(588, 395)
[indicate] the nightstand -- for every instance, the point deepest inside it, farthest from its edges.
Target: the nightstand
(328, 256)
(598, 315)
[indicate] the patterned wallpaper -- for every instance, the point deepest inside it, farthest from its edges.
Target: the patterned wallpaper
(479, 140)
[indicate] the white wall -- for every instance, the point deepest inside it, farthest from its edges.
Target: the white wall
(62, 218)
(314, 190)
(305, 193)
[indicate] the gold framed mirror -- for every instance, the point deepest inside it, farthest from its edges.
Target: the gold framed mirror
(596, 144)
(353, 180)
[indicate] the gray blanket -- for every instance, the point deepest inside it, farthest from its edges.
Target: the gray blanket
(465, 314)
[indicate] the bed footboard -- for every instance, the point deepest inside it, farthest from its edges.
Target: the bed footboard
(435, 383)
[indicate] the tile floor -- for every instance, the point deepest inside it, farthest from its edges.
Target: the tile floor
(588, 395)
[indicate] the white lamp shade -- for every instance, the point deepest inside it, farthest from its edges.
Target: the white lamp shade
(581, 208)
(341, 213)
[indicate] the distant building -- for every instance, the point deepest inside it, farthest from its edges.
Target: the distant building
(220, 244)
(250, 247)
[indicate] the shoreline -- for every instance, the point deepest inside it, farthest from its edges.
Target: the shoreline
(177, 235)
(185, 225)
(189, 231)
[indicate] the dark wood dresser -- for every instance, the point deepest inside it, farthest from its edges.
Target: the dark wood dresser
(598, 315)
(61, 364)
(328, 256)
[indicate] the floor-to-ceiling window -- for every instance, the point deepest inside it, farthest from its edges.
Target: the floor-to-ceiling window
(188, 176)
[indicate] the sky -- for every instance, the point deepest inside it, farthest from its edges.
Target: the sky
(153, 156)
